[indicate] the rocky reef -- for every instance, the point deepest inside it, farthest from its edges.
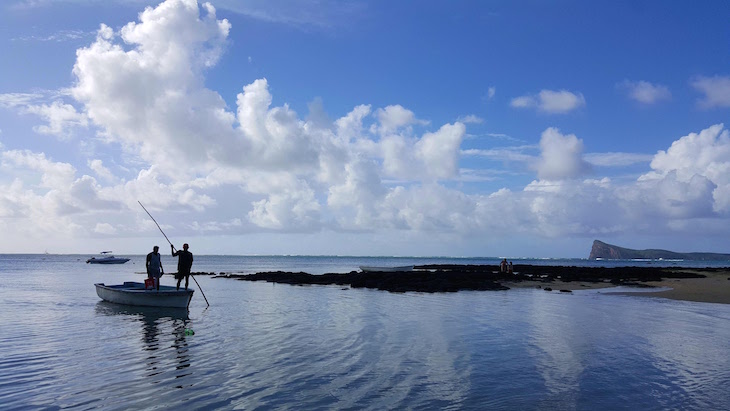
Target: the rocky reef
(451, 278)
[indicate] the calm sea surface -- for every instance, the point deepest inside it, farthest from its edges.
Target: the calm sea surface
(273, 346)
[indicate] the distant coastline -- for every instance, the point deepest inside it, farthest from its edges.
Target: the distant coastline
(601, 250)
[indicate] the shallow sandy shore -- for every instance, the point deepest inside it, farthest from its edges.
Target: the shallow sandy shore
(559, 285)
(715, 288)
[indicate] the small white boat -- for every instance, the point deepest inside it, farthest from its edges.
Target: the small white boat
(107, 258)
(133, 293)
(372, 268)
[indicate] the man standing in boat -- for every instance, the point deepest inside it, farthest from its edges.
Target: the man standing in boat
(154, 266)
(184, 264)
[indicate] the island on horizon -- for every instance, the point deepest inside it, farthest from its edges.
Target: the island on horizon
(601, 250)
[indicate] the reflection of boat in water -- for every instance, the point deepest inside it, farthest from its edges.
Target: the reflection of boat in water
(150, 314)
(107, 258)
(372, 268)
(162, 328)
(133, 293)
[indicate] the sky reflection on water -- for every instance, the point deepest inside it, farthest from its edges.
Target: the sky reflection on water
(262, 345)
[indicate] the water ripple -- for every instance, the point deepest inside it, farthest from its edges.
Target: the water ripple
(264, 346)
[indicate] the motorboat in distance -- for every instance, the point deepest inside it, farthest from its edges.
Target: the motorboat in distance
(133, 293)
(107, 258)
(381, 269)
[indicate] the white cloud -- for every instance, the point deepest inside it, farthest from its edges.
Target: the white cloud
(298, 13)
(52, 174)
(105, 228)
(645, 92)
(396, 117)
(13, 100)
(357, 199)
(716, 91)
(697, 159)
(60, 36)
(101, 171)
(439, 151)
(561, 156)
(551, 102)
(60, 117)
(432, 157)
(260, 167)
(617, 159)
(471, 119)
(151, 95)
(523, 102)
(506, 154)
(292, 210)
(491, 92)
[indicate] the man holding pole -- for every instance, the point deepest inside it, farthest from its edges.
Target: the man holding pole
(184, 264)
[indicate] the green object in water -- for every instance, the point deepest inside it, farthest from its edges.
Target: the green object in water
(189, 331)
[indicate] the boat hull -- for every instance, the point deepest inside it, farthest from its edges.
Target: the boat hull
(133, 293)
(113, 260)
(403, 268)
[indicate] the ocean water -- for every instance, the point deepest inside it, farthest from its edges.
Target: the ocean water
(275, 346)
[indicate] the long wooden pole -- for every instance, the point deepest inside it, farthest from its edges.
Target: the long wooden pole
(168, 240)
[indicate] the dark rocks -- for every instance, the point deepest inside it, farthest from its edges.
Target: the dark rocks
(452, 278)
(422, 281)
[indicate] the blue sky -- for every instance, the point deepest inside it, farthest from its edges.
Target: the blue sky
(468, 128)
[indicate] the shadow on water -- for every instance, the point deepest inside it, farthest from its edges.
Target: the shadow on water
(162, 328)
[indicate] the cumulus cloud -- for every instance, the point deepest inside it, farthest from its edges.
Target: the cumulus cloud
(52, 174)
(148, 92)
(262, 167)
(393, 118)
(551, 102)
(699, 160)
(645, 92)
(434, 156)
(715, 90)
(60, 117)
(98, 167)
(561, 156)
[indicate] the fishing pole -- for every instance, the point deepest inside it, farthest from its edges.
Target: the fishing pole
(173, 247)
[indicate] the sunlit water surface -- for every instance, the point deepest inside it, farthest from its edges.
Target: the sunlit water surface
(266, 346)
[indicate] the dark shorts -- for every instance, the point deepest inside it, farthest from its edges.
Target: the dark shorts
(180, 276)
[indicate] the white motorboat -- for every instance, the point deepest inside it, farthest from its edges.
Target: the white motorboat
(371, 268)
(107, 258)
(133, 293)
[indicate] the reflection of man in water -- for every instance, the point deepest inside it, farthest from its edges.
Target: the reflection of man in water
(154, 266)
